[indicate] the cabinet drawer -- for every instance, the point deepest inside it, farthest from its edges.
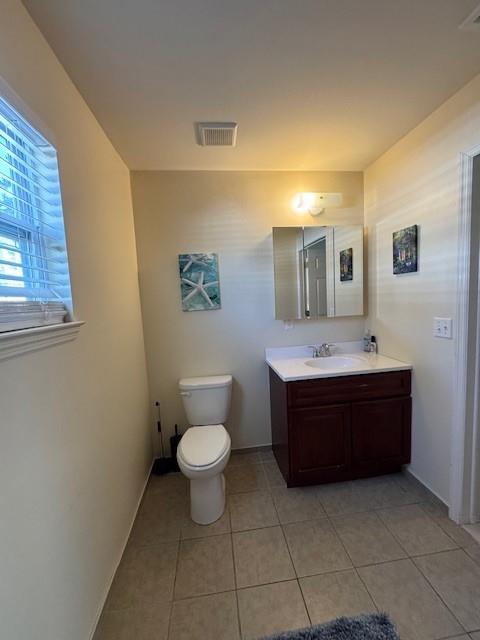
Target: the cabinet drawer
(324, 391)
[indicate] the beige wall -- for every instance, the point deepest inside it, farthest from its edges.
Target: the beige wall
(417, 182)
(349, 294)
(75, 443)
(288, 278)
(231, 213)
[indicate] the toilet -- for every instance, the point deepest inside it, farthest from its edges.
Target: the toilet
(204, 449)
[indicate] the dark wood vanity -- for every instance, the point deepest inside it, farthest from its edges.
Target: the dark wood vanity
(338, 428)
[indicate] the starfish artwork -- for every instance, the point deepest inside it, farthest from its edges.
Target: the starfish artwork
(192, 259)
(199, 281)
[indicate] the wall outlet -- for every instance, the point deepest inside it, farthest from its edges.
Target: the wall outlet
(288, 325)
(442, 327)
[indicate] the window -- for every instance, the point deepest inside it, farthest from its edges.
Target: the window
(34, 276)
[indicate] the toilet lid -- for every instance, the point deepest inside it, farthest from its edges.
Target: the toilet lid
(202, 446)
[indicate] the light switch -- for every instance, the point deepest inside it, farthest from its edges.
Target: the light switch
(442, 327)
(288, 325)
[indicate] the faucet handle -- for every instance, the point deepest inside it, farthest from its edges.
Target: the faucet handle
(315, 350)
(324, 349)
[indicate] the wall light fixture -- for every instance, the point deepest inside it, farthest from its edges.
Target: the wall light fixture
(315, 203)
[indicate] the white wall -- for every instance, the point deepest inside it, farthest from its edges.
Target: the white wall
(231, 213)
(417, 182)
(75, 440)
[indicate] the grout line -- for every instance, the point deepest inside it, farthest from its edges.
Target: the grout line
(293, 563)
(410, 555)
(394, 535)
(436, 553)
(235, 583)
(377, 607)
(247, 588)
(239, 624)
(439, 596)
(265, 477)
(266, 584)
(173, 589)
(256, 489)
(459, 546)
(330, 517)
(475, 560)
(202, 595)
(353, 564)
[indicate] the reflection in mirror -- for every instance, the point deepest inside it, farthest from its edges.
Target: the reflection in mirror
(288, 267)
(318, 271)
(348, 270)
(318, 284)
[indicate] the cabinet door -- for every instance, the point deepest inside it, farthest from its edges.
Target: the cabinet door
(381, 432)
(320, 444)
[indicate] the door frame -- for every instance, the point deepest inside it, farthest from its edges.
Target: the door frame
(465, 462)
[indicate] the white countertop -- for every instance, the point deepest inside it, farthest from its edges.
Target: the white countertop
(289, 363)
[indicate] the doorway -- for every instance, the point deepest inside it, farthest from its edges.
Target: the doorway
(465, 468)
(315, 258)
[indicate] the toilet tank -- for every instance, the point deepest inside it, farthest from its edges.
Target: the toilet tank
(206, 399)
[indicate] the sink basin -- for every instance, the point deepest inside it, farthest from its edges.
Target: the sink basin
(334, 362)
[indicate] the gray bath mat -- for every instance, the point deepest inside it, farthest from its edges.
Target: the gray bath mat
(375, 626)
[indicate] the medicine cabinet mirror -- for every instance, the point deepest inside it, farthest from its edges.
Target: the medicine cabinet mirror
(318, 271)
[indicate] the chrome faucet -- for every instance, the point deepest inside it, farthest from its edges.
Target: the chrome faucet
(322, 351)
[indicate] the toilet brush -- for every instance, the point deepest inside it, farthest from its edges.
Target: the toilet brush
(174, 442)
(161, 465)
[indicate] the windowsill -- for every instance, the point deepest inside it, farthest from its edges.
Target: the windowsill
(16, 343)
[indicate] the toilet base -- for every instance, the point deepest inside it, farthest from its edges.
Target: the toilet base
(207, 499)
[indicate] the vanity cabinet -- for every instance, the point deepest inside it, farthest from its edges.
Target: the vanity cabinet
(340, 428)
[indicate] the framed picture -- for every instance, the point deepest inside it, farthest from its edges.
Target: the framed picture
(199, 281)
(405, 250)
(346, 265)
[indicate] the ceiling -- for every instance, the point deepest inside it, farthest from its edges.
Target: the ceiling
(313, 84)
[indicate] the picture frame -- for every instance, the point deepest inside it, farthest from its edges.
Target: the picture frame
(199, 281)
(405, 250)
(346, 265)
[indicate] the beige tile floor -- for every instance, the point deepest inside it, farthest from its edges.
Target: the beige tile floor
(283, 558)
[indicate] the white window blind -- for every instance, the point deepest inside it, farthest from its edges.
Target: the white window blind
(34, 277)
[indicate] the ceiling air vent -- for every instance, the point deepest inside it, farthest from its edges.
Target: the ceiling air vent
(217, 134)
(472, 22)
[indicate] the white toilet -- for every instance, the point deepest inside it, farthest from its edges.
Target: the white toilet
(204, 449)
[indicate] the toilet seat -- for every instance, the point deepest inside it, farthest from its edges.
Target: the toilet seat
(203, 446)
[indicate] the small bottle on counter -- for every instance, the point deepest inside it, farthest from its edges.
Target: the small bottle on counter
(366, 340)
(372, 345)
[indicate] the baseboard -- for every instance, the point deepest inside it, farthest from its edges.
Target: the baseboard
(473, 530)
(110, 581)
(262, 447)
(408, 471)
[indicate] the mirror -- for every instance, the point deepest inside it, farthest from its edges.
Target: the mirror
(318, 271)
